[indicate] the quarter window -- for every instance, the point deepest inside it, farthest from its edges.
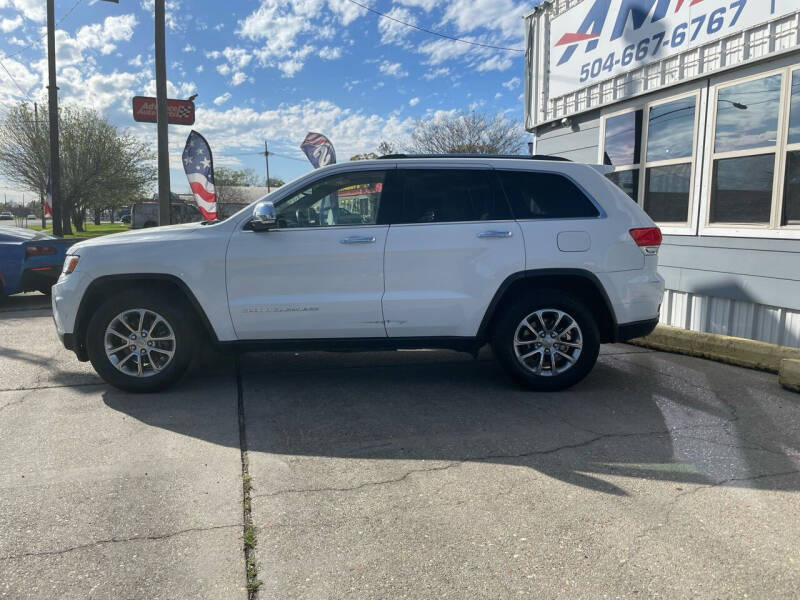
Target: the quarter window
(450, 195)
(545, 196)
(339, 200)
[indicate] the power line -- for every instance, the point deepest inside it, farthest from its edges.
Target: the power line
(430, 31)
(24, 93)
(61, 20)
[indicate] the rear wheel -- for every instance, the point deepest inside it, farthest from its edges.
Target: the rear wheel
(141, 342)
(548, 342)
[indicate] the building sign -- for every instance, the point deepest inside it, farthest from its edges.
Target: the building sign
(179, 112)
(599, 39)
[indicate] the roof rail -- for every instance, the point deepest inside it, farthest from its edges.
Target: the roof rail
(477, 156)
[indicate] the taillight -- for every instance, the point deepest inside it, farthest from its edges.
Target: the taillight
(647, 238)
(39, 251)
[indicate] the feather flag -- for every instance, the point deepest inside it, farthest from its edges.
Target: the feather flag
(319, 150)
(198, 164)
(48, 198)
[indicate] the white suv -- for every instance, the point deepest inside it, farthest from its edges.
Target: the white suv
(543, 259)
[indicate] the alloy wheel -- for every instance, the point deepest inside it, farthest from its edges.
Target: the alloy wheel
(139, 342)
(548, 342)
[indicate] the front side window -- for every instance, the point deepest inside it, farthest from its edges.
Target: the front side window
(545, 196)
(339, 200)
(450, 195)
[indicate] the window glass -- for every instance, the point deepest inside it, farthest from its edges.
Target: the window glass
(791, 200)
(670, 130)
(741, 189)
(545, 196)
(794, 120)
(627, 181)
(747, 115)
(623, 139)
(667, 191)
(347, 199)
(450, 195)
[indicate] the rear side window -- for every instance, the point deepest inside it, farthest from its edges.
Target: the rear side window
(450, 195)
(545, 196)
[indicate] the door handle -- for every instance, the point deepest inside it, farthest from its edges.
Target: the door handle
(356, 239)
(495, 234)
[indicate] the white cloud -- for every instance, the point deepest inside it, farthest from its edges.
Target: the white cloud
(189, 48)
(393, 32)
(34, 10)
(136, 61)
(9, 25)
(512, 83)
(392, 69)
(413, 102)
(238, 78)
(426, 5)
(200, 68)
(223, 69)
(172, 7)
(435, 73)
(328, 53)
(222, 99)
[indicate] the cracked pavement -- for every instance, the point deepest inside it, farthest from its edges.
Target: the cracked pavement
(396, 475)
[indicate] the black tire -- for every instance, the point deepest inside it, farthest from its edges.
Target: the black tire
(505, 331)
(172, 308)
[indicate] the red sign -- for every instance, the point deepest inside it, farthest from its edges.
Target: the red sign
(179, 112)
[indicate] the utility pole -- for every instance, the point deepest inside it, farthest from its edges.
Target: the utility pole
(52, 89)
(161, 110)
(266, 156)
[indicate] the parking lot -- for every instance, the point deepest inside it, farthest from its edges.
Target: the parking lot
(394, 475)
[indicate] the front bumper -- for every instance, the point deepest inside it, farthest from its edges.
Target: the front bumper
(630, 331)
(66, 296)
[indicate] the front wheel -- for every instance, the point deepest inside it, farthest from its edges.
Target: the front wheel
(549, 342)
(141, 342)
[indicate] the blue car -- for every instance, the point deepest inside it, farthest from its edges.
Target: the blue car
(29, 260)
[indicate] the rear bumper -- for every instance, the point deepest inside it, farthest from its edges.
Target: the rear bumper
(637, 329)
(39, 278)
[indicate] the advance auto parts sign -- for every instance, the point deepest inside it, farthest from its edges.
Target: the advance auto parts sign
(601, 38)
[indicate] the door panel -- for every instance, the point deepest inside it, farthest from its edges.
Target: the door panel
(322, 282)
(441, 277)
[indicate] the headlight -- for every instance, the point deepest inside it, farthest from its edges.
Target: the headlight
(70, 264)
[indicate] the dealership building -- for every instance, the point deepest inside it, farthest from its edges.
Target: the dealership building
(695, 107)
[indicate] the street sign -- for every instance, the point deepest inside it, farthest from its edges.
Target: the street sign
(179, 112)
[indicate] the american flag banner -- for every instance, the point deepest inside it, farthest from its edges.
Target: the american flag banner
(198, 164)
(48, 198)
(319, 150)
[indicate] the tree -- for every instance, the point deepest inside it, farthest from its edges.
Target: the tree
(385, 148)
(467, 133)
(365, 156)
(232, 177)
(275, 182)
(100, 168)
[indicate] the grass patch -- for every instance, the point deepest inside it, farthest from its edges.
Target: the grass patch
(253, 582)
(91, 230)
(250, 541)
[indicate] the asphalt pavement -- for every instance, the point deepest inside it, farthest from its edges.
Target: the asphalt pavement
(394, 475)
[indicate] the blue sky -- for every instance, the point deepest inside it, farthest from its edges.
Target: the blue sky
(273, 69)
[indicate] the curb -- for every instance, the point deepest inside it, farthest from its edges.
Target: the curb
(723, 348)
(789, 376)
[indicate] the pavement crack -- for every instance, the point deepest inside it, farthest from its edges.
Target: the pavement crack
(116, 540)
(360, 486)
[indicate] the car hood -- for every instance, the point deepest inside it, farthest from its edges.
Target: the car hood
(168, 233)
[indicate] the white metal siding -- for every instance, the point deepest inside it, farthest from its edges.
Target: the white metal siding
(750, 45)
(731, 317)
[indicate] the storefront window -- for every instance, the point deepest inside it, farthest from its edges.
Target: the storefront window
(667, 191)
(628, 181)
(670, 130)
(791, 205)
(741, 189)
(623, 139)
(747, 115)
(794, 119)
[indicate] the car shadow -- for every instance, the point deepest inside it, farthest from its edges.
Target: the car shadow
(639, 415)
(22, 305)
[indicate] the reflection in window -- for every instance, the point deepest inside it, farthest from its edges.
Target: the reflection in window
(627, 181)
(349, 199)
(741, 189)
(794, 120)
(670, 130)
(667, 192)
(791, 199)
(623, 139)
(747, 115)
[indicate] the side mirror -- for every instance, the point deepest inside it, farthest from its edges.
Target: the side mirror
(264, 217)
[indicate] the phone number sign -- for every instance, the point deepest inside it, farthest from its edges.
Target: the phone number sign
(599, 39)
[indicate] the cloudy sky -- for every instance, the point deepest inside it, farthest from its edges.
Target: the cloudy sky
(273, 69)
